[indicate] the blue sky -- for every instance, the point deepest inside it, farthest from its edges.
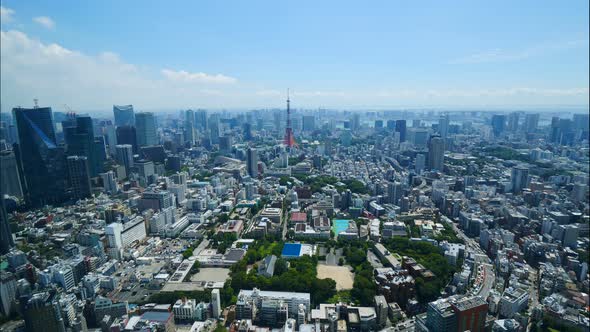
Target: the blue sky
(241, 54)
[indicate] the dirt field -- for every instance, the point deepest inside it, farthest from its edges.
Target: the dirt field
(341, 274)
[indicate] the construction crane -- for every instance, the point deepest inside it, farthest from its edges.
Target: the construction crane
(70, 113)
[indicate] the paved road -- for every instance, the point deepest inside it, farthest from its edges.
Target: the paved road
(488, 283)
(473, 246)
(533, 294)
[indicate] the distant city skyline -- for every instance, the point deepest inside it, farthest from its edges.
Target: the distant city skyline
(335, 55)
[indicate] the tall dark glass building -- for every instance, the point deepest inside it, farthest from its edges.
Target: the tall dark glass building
(124, 115)
(78, 171)
(400, 126)
(126, 135)
(80, 141)
(6, 241)
(42, 161)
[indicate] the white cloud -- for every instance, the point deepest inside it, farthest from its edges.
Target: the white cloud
(6, 15)
(45, 21)
(57, 75)
(184, 76)
(501, 55)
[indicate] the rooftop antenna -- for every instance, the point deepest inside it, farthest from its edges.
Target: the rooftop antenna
(36, 101)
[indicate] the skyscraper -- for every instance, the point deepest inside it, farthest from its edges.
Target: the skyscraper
(80, 141)
(390, 124)
(531, 121)
(309, 123)
(378, 124)
(225, 143)
(355, 122)
(124, 115)
(6, 241)
(394, 192)
(420, 163)
(400, 127)
(519, 178)
(145, 126)
(443, 125)
(189, 126)
(555, 134)
(127, 135)
(42, 161)
(581, 121)
(498, 124)
(213, 126)
(513, 121)
(201, 120)
(247, 131)
(7, 293)
(110, 133)
(253, 162)
(125, 156)
(79, 175)
(566, 129)
(9, 175)
(436, 153)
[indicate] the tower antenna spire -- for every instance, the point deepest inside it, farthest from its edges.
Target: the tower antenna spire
(289, 138)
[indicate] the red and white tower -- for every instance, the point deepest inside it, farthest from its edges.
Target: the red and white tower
(289, 138)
